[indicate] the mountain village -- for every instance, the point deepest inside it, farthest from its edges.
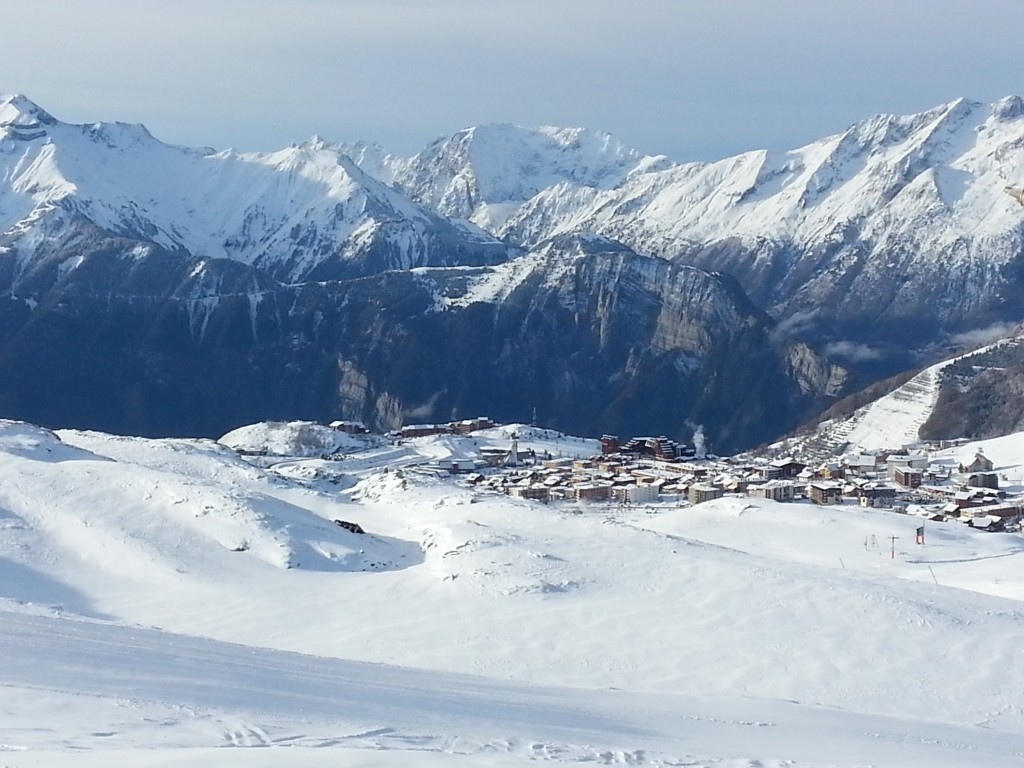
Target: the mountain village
(919, 479)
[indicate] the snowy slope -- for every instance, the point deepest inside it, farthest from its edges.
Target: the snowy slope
(1006, 453)
(497, 632)
(892, 421)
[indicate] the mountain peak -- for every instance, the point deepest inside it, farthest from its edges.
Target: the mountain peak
(1009, 108)
(19, 111)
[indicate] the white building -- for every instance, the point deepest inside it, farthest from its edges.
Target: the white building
(776, 490)
(636, 494)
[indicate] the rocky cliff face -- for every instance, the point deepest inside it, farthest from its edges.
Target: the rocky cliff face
(588, 335)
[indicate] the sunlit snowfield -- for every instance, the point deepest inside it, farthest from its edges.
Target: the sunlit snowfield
(172, 602)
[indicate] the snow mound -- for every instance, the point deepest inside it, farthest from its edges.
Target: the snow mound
(291, 438)
(28, 441)
(151, 510)
(490, 559)
(380, 486)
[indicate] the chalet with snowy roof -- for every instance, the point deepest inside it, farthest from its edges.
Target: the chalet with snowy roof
(980, 464)
(964, 499)
(975, 497)
(350, 427)
(831, 470)
(861, 464)
(730, 483)
(788, 468)
(905, 461)
(534, 491)
(872, 494)
(466, 426)
(458, 466)
(1006, 511)
(984, 522)
(825, 493)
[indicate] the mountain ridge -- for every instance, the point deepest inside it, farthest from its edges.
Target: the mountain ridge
(860, 252)
(303, 212)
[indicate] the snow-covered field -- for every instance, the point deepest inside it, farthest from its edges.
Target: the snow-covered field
(164, 601)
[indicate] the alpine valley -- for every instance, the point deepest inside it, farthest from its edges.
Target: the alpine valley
(547, 275)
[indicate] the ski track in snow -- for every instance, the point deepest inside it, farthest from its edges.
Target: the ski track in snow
(255, 697)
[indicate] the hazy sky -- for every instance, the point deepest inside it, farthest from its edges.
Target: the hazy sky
(694, 79)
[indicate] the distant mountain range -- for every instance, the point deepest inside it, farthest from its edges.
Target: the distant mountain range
(163, 290)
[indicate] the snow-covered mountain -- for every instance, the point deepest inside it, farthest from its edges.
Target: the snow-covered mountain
(165, 602)
(304, 212)
(898, 224)
(485, 174)
(852, 253)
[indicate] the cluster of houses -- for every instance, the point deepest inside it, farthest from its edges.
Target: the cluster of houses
(649, 470)
(463, 427)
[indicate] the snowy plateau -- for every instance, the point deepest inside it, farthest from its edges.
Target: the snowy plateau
(169, 601)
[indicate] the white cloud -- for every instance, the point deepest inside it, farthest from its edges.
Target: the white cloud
(981, 336)
(853, 352)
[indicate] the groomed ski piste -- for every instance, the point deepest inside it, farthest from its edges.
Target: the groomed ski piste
(891, 421)
(170, 601)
